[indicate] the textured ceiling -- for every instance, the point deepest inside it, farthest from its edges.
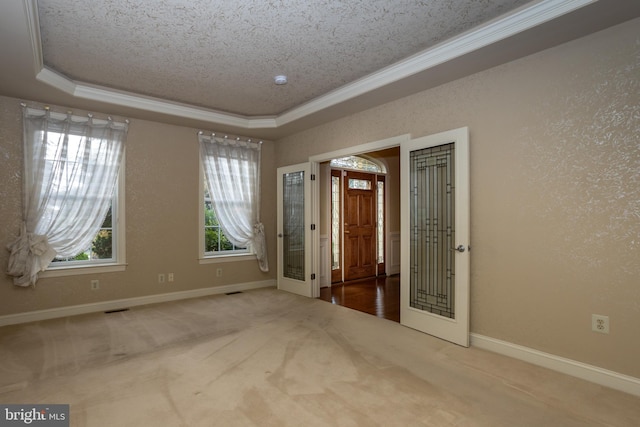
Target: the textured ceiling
(223, 55)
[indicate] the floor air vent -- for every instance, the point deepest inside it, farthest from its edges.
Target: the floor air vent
(116, 311)
(233, 293)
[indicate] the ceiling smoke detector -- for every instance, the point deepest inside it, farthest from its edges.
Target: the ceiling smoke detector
(280, 80)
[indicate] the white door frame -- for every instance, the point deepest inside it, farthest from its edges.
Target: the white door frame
(315, 185)
(375, 146)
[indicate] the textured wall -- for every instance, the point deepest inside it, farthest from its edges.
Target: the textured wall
(555, 161)
(555, 190)
(161, 220)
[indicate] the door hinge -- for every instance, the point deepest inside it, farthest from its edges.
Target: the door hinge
(313, 276)
(312, 177)
(313, 226)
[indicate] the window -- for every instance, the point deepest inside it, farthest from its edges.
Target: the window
(359, 184)
(381, 221)
(215, 242)
(101, 247)
(357, 163)
(107, 247)
(336, 216)
(230, 213)
(73, 193)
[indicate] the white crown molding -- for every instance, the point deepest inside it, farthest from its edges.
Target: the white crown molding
(492, 32)
(367, 147)
(33, 23)
(521, 20)
(127, 99)
(56, 80)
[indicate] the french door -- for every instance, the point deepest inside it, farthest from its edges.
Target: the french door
(434, 279)
(294, 230)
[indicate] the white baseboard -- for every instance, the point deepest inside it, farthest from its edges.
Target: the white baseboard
(581, 370)
(34, 316)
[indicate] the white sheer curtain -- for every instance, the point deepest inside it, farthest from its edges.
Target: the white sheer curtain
(70, 171)
(232, 169)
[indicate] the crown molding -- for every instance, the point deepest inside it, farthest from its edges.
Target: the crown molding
(520, 20)
(33, 24)
(128, 99)
(514, 23)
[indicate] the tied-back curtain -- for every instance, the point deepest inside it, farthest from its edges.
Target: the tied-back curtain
(232, 170)
(71, 166)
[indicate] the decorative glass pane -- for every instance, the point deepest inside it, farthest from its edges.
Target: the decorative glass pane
(335, 222)
(293, 225)
(357, 163)
(380, 222)
(432, 230)
(359, 184)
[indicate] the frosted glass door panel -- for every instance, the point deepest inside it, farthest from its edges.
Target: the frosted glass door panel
(293, 225)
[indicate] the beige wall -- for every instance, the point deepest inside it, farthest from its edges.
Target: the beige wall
(161, 220)
(555, 190)
(555, 164)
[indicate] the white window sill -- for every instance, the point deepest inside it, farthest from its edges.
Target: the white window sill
(226, 258)
(76, 271)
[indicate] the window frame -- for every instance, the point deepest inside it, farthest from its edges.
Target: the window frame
(117, 262)
(211, 257)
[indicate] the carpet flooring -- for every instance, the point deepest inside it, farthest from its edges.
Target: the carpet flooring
(269, 358)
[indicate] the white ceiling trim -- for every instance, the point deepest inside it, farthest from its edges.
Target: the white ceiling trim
(367, 147)
(493, 32)
(128, 99)
(514, 23)
(33, 22)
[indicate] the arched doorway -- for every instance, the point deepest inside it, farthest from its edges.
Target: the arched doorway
(357, 218)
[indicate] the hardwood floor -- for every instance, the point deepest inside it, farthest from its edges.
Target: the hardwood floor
(379, 296)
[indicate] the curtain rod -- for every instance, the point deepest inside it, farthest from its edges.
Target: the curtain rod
(68, 113)
(227, 136)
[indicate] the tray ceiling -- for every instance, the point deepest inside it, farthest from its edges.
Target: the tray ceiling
(211, 63)
(224, 55)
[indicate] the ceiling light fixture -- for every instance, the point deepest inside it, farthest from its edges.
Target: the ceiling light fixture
(280, 80)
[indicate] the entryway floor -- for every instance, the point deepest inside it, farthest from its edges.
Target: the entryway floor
(379, 296)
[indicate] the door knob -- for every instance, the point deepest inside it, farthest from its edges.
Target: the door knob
(460, 248)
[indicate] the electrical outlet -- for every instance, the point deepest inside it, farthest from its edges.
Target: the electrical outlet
(219, 272)
(170, 277)
(600, 323)
(95, 285)
(161, 278)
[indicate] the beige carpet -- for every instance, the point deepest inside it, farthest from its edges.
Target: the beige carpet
(269, 358)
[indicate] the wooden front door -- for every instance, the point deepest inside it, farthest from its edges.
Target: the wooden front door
(359, 225)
